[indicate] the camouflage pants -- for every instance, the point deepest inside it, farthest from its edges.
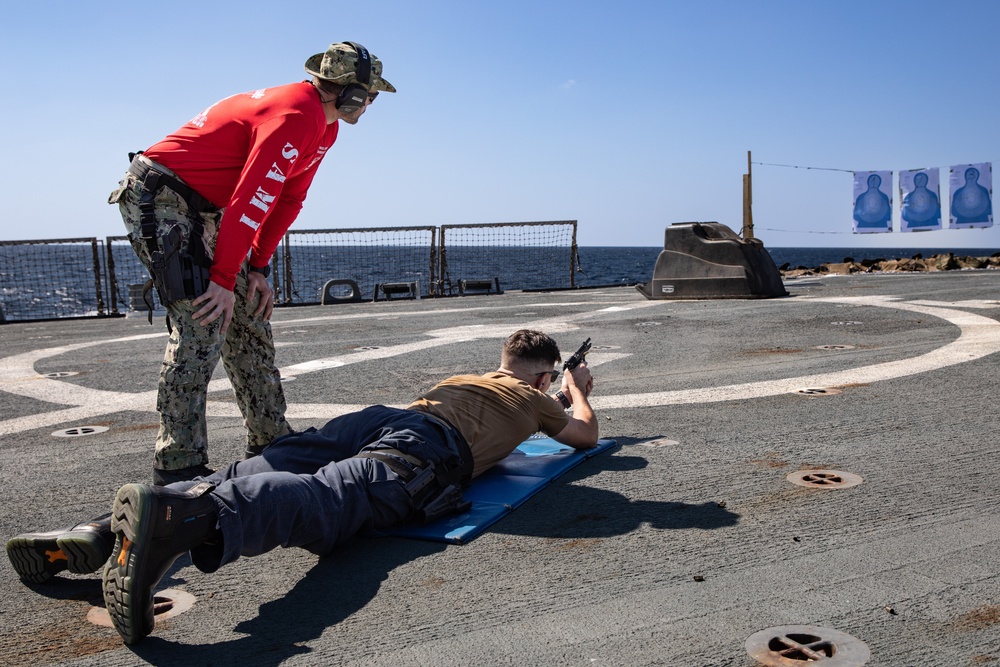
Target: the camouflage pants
(193, 350)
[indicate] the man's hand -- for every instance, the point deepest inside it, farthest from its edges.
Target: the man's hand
(257, 284)
(216, 302)
(582, 430)
(580, 379)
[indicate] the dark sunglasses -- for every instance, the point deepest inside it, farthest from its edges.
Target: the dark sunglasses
(372, 95)
(552, 375)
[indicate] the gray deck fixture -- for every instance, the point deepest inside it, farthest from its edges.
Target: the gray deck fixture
(708, 260)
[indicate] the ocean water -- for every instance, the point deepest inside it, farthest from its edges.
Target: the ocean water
(626, 266)
(72, 290)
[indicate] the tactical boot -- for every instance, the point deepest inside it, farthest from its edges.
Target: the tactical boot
(153, 526)
(82, 549)
(256, 450)
(163, 477)
(253, 450)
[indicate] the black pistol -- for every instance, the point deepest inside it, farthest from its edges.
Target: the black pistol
(577, 357)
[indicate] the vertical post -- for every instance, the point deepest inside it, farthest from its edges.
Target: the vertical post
(286, 256)
(574, 258)
(110, 280)
(748, 201)
(97, 277)
(278, 267)
(433, 288)
(443, 263)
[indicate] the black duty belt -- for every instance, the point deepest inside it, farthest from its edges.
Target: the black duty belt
(147, 170)
(408, 466)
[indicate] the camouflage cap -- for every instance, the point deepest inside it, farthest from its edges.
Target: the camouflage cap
(340, 65)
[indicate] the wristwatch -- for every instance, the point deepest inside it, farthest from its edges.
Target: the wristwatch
(264, 270)
(561, 397)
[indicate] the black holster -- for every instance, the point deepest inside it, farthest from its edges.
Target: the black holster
(180, 266)
(176, 273)
(435, 494)
(447, 503)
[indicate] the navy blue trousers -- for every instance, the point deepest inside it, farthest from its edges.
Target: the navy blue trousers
(310, 490)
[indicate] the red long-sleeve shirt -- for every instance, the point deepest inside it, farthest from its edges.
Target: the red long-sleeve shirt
(254, 154)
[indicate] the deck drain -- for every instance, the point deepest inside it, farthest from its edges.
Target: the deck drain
(824, 479)
(834, 347)
(845, 323)
(367, 347)
(79, 431)
(648, 324)
(61, 374)
(799, 644)
(818, 391)
(166, 604)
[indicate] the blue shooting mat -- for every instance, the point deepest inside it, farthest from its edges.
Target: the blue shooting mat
(502, 488)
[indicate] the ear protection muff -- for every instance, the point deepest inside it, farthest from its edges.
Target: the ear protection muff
(355, 94)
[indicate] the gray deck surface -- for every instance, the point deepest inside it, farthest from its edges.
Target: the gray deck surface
(672, 549)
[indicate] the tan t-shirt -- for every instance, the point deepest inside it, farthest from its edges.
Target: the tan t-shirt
(494, 412)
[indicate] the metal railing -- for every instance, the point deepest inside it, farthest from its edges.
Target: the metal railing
(49, 279)
(522, 255)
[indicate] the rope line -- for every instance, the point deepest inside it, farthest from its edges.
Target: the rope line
(800, 231)
(795, 166)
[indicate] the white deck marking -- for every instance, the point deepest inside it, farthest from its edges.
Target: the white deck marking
(978, 337)
(971, 303)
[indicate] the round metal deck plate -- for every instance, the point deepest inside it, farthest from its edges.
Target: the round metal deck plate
(834, 347)
(824, 479)
(658, 442)
(806, 644)
(61, 374)
(166, 604)
(79, 431)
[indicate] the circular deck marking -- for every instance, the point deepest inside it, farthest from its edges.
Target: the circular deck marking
(806, 644)
(834, 347)
(60, 374)
(824, 479)
(819, 391)
(79, 431)
(978, 337)
(166, 604)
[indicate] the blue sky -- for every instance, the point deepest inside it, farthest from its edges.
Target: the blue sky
(626, 116)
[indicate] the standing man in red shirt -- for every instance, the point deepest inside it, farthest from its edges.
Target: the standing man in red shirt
(229, 184)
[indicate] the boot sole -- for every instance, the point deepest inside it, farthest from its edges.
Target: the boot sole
(128, 599)
(37, 557)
